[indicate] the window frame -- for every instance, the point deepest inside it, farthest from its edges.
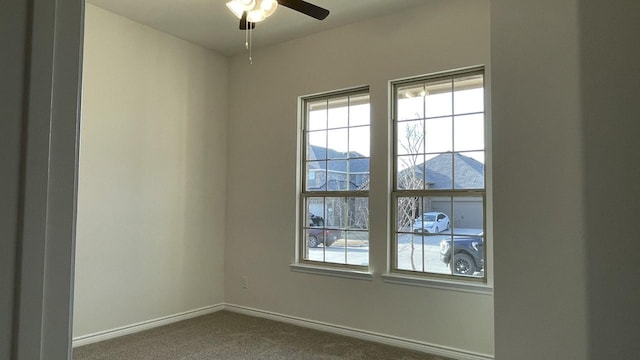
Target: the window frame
(302, 264)
(395, 274)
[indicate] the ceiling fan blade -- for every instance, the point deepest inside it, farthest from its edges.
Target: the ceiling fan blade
(244, 24)
(305, 8)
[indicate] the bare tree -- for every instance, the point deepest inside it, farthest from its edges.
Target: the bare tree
(337, 211)
(360, 218)
(410, 176)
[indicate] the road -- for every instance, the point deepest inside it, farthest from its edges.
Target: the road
(426, 252)
(359, 254)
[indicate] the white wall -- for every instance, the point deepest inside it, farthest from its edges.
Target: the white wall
(539, 253)
(566, 178)
(151, 207)
(610, 54)
(13, 33)
(612, 288)
(261, 211)
(40, 87)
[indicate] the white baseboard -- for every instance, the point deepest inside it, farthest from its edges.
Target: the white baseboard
(362, 334)
(145, 325)
(312, 324)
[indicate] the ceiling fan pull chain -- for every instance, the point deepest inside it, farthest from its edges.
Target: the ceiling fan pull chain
(250, 45)
(251, 12)
(246, 38)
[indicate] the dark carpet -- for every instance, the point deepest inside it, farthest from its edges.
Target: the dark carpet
(228, 335)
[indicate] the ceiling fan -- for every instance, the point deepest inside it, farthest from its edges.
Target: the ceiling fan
(252, 11)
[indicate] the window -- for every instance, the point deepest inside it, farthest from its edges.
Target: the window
(438, 198)
(335, 179)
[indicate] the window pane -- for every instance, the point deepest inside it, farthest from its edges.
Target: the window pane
(358, 174)
(317, 115)
(439, 171)
(359, 110)
(468, 216)
(420, 253)
(357, 247)
(423, 223)
(442, 208)
(317, 145)
(433, 215)
(469, 170)
(407, 210)
(438, 98)
(409, 252)
(468, 258)
(338, 113)
(469, 132)
(359, 141)
(323, 229)
(314, 250)
(438, 135)
(316, 176)
(338, 143)
(469, 94)
(346, 240)
(342, 174)
(314, 233)
(337, 178)
(467, 241)
(410, 172)
(410, 137)
(337, 212)
(358, 213)
(314, 211)
(410, 102)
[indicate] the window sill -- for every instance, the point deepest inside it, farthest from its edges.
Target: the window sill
(452, 285)
(343, 273)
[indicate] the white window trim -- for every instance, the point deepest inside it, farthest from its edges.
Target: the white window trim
(427, 279)
(311, 266)
(443, 284)
(331, 271)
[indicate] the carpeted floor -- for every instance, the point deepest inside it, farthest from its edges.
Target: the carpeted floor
(227, 335)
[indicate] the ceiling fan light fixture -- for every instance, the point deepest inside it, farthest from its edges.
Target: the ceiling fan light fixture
(255, 16)
(257, 10)
(249, 12)
(247, 4)
(268, 5)
(262, 10)
(238, 7)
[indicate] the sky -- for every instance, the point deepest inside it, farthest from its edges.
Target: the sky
(347, 128)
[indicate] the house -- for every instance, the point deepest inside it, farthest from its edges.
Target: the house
(336, 170)
(438, 173)
(469, 172)
(563, 152)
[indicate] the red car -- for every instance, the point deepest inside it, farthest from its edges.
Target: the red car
(317, 234)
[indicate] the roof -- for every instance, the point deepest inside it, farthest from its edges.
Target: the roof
(337, 160)
(340, 164)
(469, 172)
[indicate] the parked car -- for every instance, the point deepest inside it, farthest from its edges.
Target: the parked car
(317, 234)
(315, 220)
(432, 222)
(468, 254)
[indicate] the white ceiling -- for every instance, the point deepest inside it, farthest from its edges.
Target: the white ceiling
(210, 24)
